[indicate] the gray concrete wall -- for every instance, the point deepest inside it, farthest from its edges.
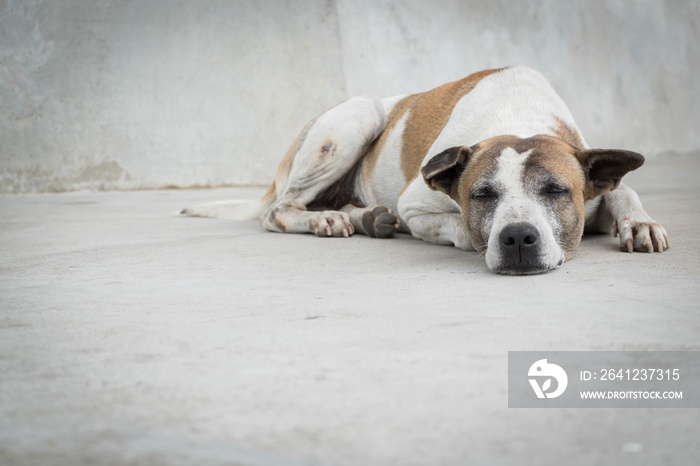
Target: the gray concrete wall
(151, 94)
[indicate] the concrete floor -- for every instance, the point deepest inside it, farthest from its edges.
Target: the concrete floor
(129, 335)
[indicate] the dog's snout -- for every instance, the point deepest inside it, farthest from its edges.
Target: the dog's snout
(519, 242)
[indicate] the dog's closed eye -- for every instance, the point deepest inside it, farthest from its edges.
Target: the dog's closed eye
(484, 193)
(554, 189)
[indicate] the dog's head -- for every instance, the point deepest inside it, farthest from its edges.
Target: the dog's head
(522, 200)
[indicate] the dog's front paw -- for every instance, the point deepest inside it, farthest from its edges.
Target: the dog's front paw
(643, 235)
(380, 222)
(331, 223)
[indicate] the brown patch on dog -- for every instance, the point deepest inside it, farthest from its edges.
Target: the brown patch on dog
(369, 161)
(271, 193)
(567, 134)
(428, 115)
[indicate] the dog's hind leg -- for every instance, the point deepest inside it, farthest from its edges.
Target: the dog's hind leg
(324, 153)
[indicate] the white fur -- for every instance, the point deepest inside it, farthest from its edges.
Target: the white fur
(385, 183)
(635, 227)
(432, 216)
(516, 205)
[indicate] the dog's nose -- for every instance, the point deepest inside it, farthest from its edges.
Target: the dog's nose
(519, 242)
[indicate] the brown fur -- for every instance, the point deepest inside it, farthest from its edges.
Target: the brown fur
(428, 116)
(567, 134)
(370, 160)
(428, 113)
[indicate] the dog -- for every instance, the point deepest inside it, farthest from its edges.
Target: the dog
(493, 163)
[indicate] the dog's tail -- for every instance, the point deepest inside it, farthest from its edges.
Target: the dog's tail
(234, 209)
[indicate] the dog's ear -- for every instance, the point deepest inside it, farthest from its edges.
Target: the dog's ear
(604, 168)
(443, 170)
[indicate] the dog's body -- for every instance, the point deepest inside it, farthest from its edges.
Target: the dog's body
(493, 162)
